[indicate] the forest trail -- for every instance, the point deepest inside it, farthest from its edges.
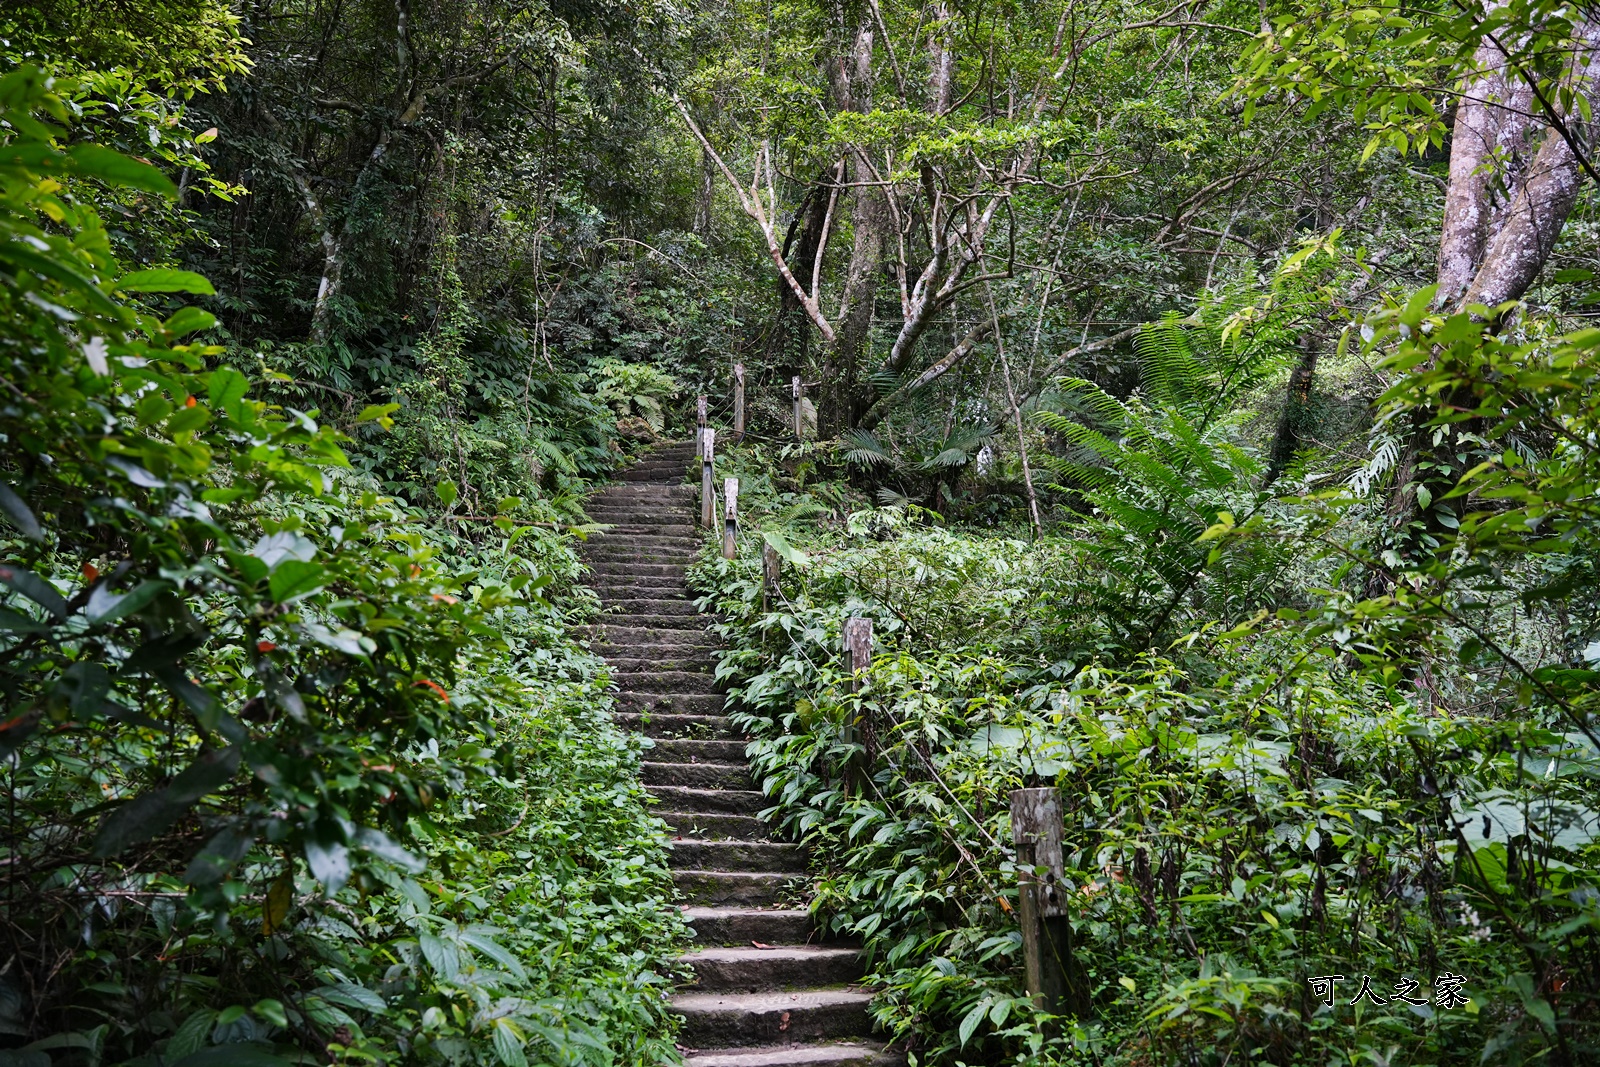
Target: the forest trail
(764, 994)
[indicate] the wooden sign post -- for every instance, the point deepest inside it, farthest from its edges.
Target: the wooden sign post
(730, 518)
(738, 401)
(799, 423)
(858, 646)
(1054, 978)
(708, 492)
(771, 564)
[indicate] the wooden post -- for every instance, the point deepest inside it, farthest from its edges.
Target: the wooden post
(700, 411)
(799, 426)
(771, 563)
(858, 646)
(1054, 977)
(708, 492)
(738, 401)
(730, 518)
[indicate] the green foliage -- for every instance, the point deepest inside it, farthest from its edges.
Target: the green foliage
(637, 391)
(266, 729)
(1303, 783)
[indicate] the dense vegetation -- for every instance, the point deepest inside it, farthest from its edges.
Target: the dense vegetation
(1200, 402)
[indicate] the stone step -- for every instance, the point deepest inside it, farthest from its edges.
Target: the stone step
(666, 586)
(642, 512)
(732, 1020)
(669, 707)
(697, 775)
(623, 658)
(751, 970)
(642, 640)
(692, 722)
(650, 529)
(621, 553)
(645, 493)
(667, 473)
(641, 541)
(664, 682)
(680, 750)
(771, 857)
(703, 827)
(661, 622)
(710, 801)
(659, 570)
(749, 888)
(650, 606)
(830, 1054)
(740, 926)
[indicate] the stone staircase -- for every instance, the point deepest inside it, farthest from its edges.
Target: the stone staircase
(764, 994)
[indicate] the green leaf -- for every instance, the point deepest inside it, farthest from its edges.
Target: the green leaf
(447, 492)
(35, 589)
(165, 280)
(378, 413)
(20, 514)
(507, 1045)
(148, 815)
(189, 320)
(107, 607)
(294, 578)
(191, 1036)
(970, 1023)
(784, 549)
(57, 269)
(226, 388)
(114, 168)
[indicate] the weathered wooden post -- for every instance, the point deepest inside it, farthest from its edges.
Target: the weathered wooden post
(708, 492)
(738, 401)
(858, 646)
(799, 394)
(730, 518)
(771, 563)
(1054, 978)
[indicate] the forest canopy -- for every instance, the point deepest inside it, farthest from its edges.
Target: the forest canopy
(1201, 399)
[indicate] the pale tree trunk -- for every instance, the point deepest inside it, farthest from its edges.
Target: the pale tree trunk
(850, 77)
(1503, 214)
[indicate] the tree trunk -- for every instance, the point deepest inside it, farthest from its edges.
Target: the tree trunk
(1493, 245)
(1296, 408)
(851, 85)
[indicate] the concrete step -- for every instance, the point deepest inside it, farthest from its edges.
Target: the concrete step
(710, 801)
(679, 750)
(771, 857)
(740, 926)
(732, 1020)
(830, 1054)
(664, 682)
(752, 970)
(700, 826)
(747, 888)
(697, 775)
